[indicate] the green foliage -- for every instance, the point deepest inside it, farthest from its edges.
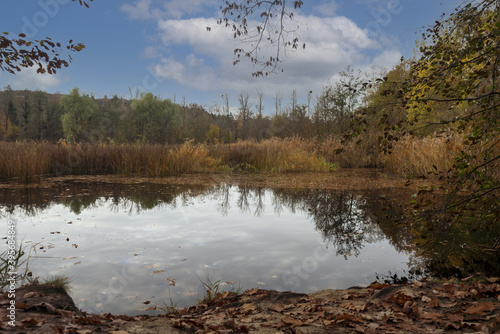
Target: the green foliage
(80, 108)
(18, 263)
(155, 120)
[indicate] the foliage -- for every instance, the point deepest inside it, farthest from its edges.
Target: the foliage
(18, 52)
(80, 109)
(459, 66)
(262, 25)
(337, 103)
(449, 91)
(17, 263)
(154, 120)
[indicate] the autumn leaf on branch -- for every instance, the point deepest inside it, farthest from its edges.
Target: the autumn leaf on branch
(19, 52)
(264, 28)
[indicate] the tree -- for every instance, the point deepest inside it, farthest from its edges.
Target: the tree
(453, 86)
(263, 25)
(18, 52)
(155, 120)
(337, 103)
(245, 114)
(458, 67)
(80, 108)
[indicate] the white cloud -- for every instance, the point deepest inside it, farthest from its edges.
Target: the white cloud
(387, 58)
(179, 8)
(29, 79)
(151, 52)
(193, 57)
(326, 8)
(141, 10)
(148, 9)
(193, 72)
(331, 45)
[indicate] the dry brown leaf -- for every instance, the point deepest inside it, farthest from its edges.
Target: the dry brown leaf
(431, 316)
(291, 321)
(277, 308)
(418, 284)
(447, 304)
(400, 299)
(455, 317)
(353, 307)
(249, 308)
(251, 292)
(426, 299)
(481, 308)
(378, 286)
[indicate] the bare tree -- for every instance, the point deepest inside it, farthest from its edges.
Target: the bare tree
(245, 113)
(260, 102)
(278, 100)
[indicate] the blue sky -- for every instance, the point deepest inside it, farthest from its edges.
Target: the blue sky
(163, 46)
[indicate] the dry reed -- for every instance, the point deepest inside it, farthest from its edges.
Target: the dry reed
(29, 161)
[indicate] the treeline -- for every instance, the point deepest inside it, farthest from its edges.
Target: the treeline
(79, 117)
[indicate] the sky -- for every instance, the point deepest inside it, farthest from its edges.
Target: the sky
(164, 46)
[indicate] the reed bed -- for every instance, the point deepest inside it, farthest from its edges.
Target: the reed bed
(421, 157)
(273, 155)
(29, 161)
(362, 153)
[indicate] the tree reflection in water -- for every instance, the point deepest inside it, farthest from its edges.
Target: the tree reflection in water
(346, 220)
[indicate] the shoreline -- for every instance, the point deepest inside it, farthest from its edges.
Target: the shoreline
(421, 306)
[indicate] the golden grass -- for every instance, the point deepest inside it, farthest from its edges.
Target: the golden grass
(419, 157)
(29, 161)
(364, 154)
(272, 155)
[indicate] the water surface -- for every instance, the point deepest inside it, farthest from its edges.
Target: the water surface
(125, 246)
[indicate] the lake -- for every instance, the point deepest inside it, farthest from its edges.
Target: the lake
(130, 247)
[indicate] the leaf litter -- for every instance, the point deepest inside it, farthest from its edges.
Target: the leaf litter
(420, 307)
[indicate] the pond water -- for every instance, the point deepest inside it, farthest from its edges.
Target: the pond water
(130, 248)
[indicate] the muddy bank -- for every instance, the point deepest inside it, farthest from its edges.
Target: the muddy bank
(425, 306)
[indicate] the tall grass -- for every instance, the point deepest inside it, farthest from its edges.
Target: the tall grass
(363, 153)
(30, 161)
(272, 155)
(419, 157)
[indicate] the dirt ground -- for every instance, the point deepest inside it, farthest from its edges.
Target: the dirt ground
(418, 307)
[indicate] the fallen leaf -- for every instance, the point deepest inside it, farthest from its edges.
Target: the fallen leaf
(481, 308)
(249, 308)
(400, 299)
(172, 281)
(431, 316)
(277, 308)
(291, 321)
(147, 302)
(378, 286)
(251, 292)
(158, 271)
